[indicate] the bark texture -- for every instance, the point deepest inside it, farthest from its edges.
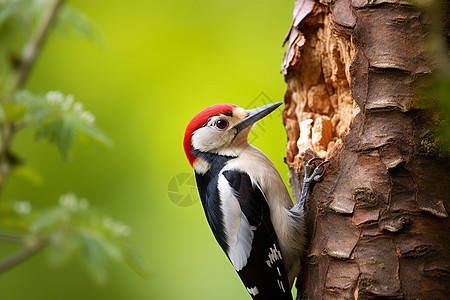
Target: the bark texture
(378, 222)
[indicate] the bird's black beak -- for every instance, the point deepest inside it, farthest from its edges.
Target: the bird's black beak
(255, 115)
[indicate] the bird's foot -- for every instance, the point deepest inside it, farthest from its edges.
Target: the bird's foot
(315, 175)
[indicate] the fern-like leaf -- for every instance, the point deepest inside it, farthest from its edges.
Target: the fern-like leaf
(59, 120)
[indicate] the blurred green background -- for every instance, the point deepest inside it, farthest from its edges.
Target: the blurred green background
(156, 65)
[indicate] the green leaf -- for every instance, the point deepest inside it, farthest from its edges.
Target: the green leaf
(13, 214)
(12, 111)
(60, 132)
(136, 260)
(9, 9)
(110, 247)
(28, 173)
(63, 248)
(94, 132)
(71, 20)
(99, 250)
(48, 220)
(95, 258)
(73, 227)
(59, 120)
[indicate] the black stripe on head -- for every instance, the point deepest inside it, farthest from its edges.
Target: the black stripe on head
(228, 113)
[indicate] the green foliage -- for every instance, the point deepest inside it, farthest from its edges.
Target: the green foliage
(433, 94)
(27, 12)
(74, 227)
(74, 22)
(434, 145)
(57, 119)
(19, 20)
(433, 89)
(23, 11)
(156, 69)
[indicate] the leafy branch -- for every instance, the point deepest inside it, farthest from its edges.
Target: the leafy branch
(72, 226)
(57, 119)
(21, 67)
(22, 255)
(34, 45)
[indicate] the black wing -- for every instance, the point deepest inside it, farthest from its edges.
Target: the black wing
(264, 274)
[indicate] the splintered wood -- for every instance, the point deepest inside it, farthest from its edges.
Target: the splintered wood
(318, 96)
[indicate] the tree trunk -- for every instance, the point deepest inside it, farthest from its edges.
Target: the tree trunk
(378, 222)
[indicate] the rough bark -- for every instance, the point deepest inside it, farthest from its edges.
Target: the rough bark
(378, 222)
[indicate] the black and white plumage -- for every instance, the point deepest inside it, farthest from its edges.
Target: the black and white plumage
(245, 200)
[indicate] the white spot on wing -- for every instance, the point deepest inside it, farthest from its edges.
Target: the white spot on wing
(274, 255)
(239, 235)
(280, 285)
(253, 291)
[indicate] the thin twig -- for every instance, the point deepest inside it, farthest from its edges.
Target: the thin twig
(21, 125)
(6, 135)
(22, 255)
(32, 48)
(11, 238)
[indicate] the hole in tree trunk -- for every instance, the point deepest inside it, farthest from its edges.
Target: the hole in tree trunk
(319, 105)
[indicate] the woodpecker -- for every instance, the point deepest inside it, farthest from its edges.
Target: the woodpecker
(245, 200)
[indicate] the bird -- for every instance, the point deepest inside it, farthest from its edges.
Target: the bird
(245, 200)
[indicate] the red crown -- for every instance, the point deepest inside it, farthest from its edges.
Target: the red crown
(198, 121)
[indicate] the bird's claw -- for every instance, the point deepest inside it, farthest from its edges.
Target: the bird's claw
(316, 174)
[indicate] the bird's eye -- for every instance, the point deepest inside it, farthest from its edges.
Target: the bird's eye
(221, 124)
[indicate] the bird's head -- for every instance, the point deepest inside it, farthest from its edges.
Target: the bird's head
(222, 129)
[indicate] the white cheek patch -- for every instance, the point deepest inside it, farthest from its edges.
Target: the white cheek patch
(208, 139)
(201, 139)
